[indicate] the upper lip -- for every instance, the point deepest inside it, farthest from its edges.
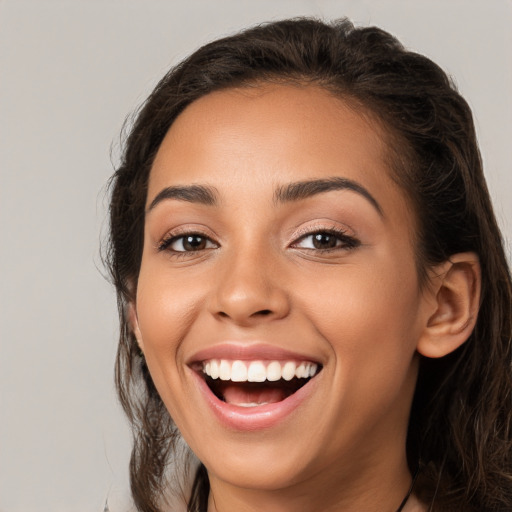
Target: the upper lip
(249, 352)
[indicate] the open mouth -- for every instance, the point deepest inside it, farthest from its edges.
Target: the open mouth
(255, 383)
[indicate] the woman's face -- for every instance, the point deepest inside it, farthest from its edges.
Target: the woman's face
(278, 303)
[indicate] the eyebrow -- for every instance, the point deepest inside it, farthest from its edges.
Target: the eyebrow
(203, 194)
(305, 189)
(192, 193)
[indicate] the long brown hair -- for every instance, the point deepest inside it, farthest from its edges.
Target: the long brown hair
(460, 426)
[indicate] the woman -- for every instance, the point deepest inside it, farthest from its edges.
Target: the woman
(311, 282)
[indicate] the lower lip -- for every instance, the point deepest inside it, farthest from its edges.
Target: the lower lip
(254, 418)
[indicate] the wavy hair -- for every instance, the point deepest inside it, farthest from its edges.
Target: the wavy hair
(460, 424)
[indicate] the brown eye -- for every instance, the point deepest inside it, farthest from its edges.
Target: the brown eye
(192, 242)
(324, 241)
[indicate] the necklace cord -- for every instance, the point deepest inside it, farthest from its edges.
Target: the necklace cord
(409, 492)
(406, 497)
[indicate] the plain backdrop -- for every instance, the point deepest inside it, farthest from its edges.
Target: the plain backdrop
(70, 71)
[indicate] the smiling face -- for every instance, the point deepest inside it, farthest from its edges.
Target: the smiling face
(278, 303)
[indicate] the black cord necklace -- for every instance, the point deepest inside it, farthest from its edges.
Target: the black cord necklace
(409, 492)
(404, 501)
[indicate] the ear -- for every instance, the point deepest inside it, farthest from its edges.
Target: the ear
(134, 324)
(453, 309)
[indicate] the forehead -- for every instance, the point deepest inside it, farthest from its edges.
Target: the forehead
(266, 135)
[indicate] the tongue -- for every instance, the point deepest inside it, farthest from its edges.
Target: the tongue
(237, 395)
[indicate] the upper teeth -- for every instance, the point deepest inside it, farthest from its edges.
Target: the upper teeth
(258, 371)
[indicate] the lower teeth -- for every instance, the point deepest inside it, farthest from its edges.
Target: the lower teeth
(250, 404)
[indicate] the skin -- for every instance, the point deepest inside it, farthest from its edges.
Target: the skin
(358, 309)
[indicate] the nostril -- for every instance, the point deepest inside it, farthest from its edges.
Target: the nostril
(257, 314)
(263, 312)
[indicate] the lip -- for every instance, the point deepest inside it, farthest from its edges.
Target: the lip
(261, 417)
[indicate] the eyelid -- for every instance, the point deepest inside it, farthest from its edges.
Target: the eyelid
(168, 244)
(327, 225)
(183, 231)
(345, 235)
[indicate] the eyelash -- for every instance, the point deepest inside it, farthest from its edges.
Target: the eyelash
(347, 242)
(165, 244)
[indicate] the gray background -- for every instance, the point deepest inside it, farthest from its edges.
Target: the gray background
(70, 71)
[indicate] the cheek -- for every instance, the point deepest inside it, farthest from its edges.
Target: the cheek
(369, 316)
(163, 309)
(369, 321)
(166, 308)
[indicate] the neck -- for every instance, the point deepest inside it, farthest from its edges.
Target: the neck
(380, 488)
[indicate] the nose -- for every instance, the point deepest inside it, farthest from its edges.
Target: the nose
(249, 290)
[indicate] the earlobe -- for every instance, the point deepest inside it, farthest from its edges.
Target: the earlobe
(456, 297)
(134, 324)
